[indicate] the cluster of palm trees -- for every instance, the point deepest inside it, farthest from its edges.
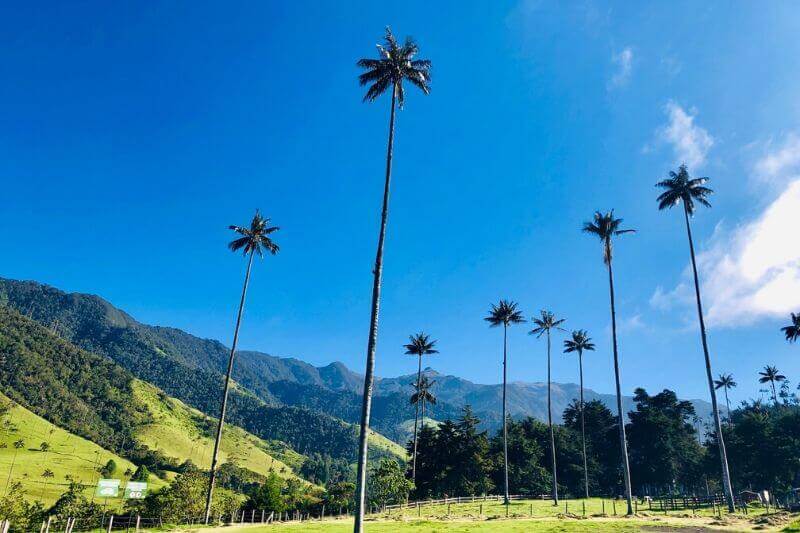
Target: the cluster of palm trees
(770, 374)
(396, 64)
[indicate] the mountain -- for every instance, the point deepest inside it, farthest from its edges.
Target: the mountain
(189, 369)
(72, 411)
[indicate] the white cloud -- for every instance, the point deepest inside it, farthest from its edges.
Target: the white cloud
(783, 161)
(752, 271)
(690, 142)
(624, 64)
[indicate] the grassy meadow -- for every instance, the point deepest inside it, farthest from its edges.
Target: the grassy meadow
(182, 432)
(68, 455)
(540, 516)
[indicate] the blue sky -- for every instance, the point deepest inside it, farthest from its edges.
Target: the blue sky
(133, 136)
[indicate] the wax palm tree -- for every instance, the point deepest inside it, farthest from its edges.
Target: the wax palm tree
(681, 188)
(419, 345)
(792, 331)
(581, 342)
(18, 445)
(545, 323)
(394, 65)
(771, 375)
(726, 382)
(254, 240)
(423, 395)
(505, 313)
(605, 227)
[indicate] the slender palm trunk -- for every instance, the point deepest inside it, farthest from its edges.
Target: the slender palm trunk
(623, 441)
(550, 423)
(774, 394)
(369, 378)
(723, 455)
(213, 472)
(11, 470)
(416, 421)
(583, 428)
(728, 406)
(505, 425)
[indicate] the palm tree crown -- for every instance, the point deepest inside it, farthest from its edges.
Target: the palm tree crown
(423, 391)
(793, 331)
(604, 227)
(395, 64)
(504, 313)
(681, 187)
(771, 374)
(255, 238)
(545, 322)
(726, 381)
(580, 342)
(420, 344)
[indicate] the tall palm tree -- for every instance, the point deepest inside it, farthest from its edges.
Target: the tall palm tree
(792, 331)
(681, 188)
(545, 323)
(506, 313)
(419, 345)
(395, 64)
(423, 395)
(771, 375)
(605, 227)
(726, 383)
(254, 240)
(18, 445)
(581, 342)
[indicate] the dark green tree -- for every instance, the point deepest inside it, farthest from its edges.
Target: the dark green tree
(395, 64)
(605, 227)
(388, 484)
(545, 323)
(663, 446)
(254, 240)
(581, 342)
(601, 430)
(269, 495)
(681, 188)
(505, 313)
(419, 345)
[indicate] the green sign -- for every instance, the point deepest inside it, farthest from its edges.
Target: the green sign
(108, 488)
(135, 490)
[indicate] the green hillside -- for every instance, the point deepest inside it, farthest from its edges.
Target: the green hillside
(181, 365)
(181, 432)
(67, 455)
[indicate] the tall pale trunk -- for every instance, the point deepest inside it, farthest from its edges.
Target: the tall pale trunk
(416, 421)
(728, 407)
(583, 428)
(723, 454)
(774, 394)
(505, 421)
(623, 441)
(369, 378)
(550, 423)
(213, 472)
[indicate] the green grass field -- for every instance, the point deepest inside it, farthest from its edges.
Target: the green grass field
(541, 516)
(69, 455)
(181, 432)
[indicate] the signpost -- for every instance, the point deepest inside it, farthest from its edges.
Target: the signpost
(107, 488)
(135, 490)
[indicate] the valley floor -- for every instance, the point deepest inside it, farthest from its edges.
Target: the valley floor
(537, 515)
